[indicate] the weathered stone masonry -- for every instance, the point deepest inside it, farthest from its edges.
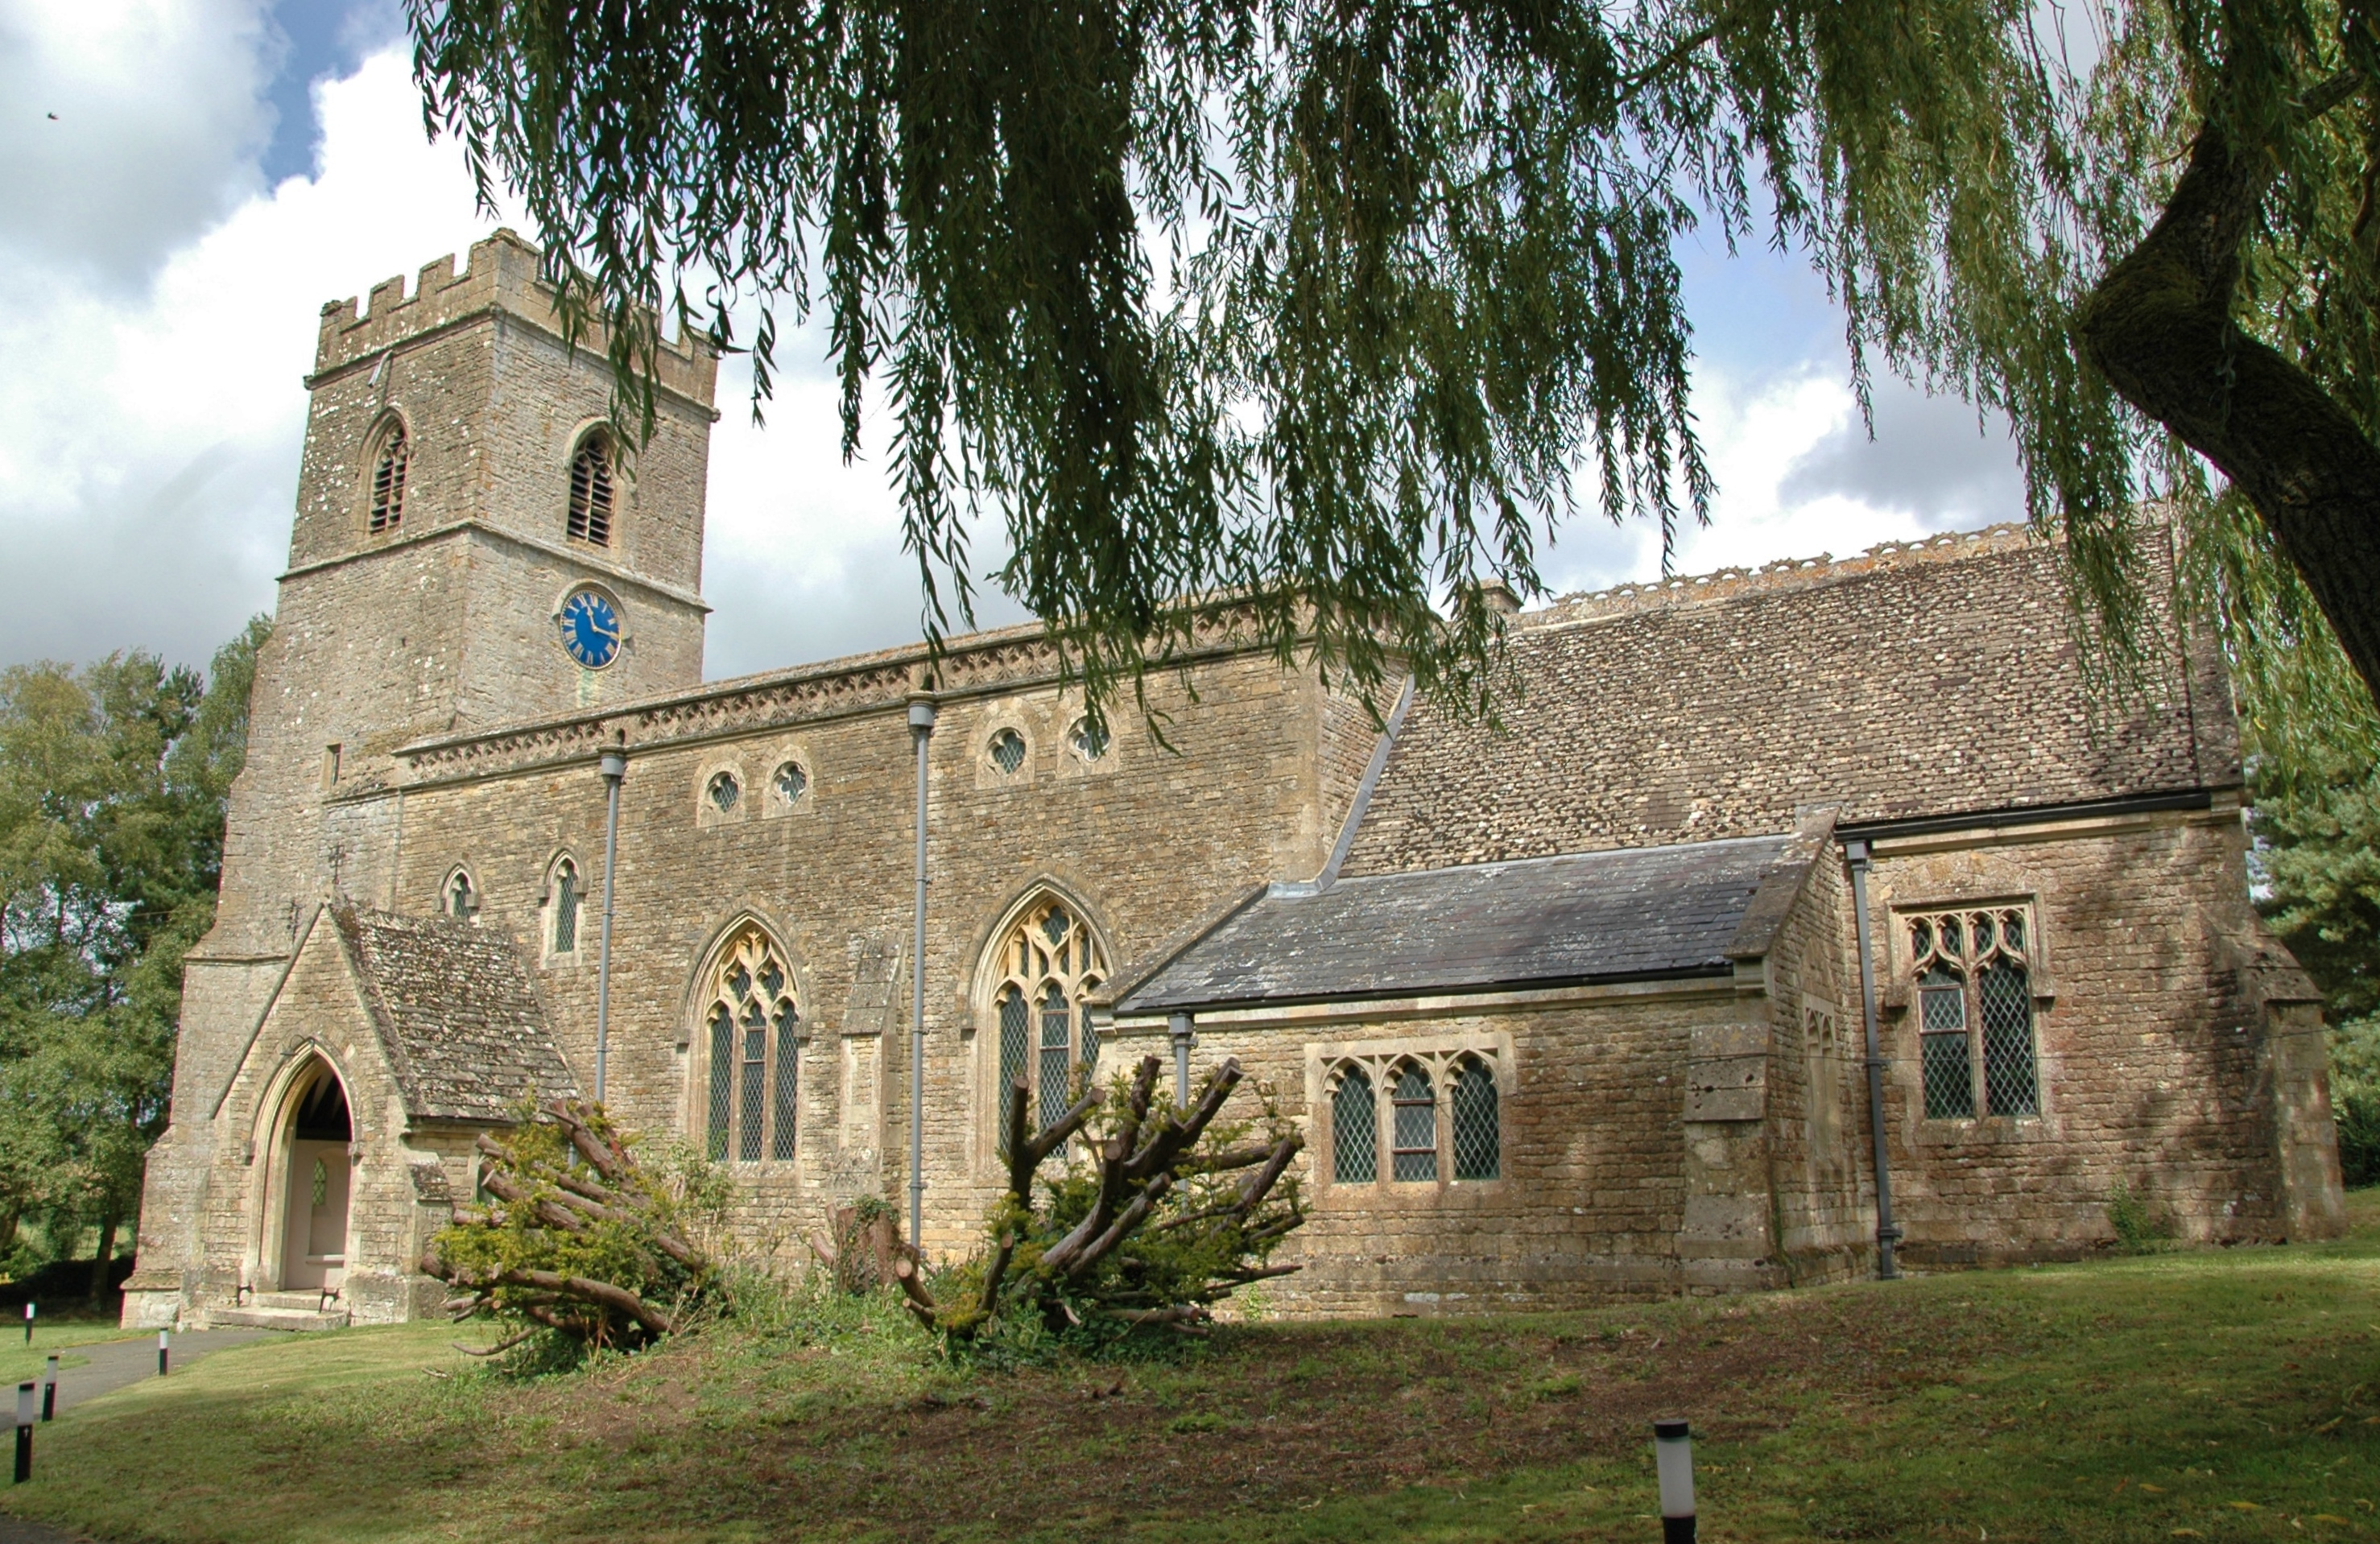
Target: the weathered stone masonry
(1625, 917)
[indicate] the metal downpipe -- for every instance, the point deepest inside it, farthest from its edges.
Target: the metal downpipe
(1855, 851)
(615, 767)
(921, 729)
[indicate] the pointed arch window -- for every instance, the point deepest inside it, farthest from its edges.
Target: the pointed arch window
(591, 491)
(389, 467)
(1975, 1046)
(1355, 1129)
(461, 897)
(1049, 962)
(752, 1052)
(565, 908)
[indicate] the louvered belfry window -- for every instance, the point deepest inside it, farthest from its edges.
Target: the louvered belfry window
(754, 1052)
(590, 492)
(1048, 963)
(388, 481)
(1973, 970)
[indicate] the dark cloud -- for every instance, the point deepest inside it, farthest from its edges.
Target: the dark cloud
(1930, 458)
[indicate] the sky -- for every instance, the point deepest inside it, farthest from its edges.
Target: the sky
(184, 182)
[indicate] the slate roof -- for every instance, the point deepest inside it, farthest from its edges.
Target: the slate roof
(1644, 914)
(1919, 679)
(456, 1014)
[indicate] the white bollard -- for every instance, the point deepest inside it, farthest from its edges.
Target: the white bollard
(1673, 1459)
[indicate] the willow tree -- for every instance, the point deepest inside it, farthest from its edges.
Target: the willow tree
(1337, 306)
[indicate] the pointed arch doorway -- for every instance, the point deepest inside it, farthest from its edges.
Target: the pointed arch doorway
(314, 1221)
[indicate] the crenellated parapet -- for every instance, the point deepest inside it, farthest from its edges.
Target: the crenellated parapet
(1786, 574)
(499, 274)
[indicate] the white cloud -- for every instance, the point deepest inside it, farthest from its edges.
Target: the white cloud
(1798, 476)
(149, 444)
(129, 125)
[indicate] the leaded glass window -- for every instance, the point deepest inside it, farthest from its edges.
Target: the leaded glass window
(388, 482)
(1413, 1153)
(1440, 1111)
(1975, 1013)
(723, 791)
(1089, 740)
(565, 908)
(1354, 1130)
(1007, 751)
(590, 492)
(1048, 964)
(461, 898)
(754, 1054)
(791, 782)
(1477, 1143)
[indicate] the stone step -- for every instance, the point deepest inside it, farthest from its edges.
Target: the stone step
(260, 1318)
(299, 1302)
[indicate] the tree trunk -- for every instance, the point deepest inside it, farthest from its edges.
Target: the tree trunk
(2160, 327)
(105, 1256)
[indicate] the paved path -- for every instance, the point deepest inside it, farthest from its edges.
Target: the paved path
(114, 1364)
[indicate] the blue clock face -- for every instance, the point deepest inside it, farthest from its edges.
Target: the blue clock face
(591, 629)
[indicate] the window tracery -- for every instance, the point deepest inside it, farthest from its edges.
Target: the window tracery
(752, 1053)
(723, 791)
(1006, 750)
(1440, 1112)
(1048, 963)
(1972, 969)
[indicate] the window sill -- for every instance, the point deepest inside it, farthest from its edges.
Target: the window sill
(1412, 1195)
(1982, 1130)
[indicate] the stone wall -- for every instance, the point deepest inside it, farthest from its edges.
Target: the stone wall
(1145, 841)
(2155, 1068)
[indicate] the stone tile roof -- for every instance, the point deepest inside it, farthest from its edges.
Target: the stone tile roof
(457, 1015)
(1640, 915)
(1927, 678)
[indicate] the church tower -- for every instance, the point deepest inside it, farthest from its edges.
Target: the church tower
(472, 548)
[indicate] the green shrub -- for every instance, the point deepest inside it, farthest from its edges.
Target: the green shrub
(2140, 1229)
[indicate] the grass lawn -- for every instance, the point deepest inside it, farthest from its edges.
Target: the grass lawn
(2218, 1395)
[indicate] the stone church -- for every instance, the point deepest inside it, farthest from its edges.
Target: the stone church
(1583, 1003)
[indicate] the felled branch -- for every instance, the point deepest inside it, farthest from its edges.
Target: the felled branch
(576, 1236)
(1062, 1250)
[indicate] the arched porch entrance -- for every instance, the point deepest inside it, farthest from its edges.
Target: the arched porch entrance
(314, 1185)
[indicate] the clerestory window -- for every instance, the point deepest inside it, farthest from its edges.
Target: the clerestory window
(590, 492)
(1974, 974)
(1048, 964)
(387, 504)
(565, 908)
(752, 1052)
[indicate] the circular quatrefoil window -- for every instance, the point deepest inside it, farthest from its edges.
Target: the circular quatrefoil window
(723, 792)
(1007, 751)
(791, 782)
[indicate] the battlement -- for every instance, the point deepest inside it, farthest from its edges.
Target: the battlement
(1785, 573)
(500, 274)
